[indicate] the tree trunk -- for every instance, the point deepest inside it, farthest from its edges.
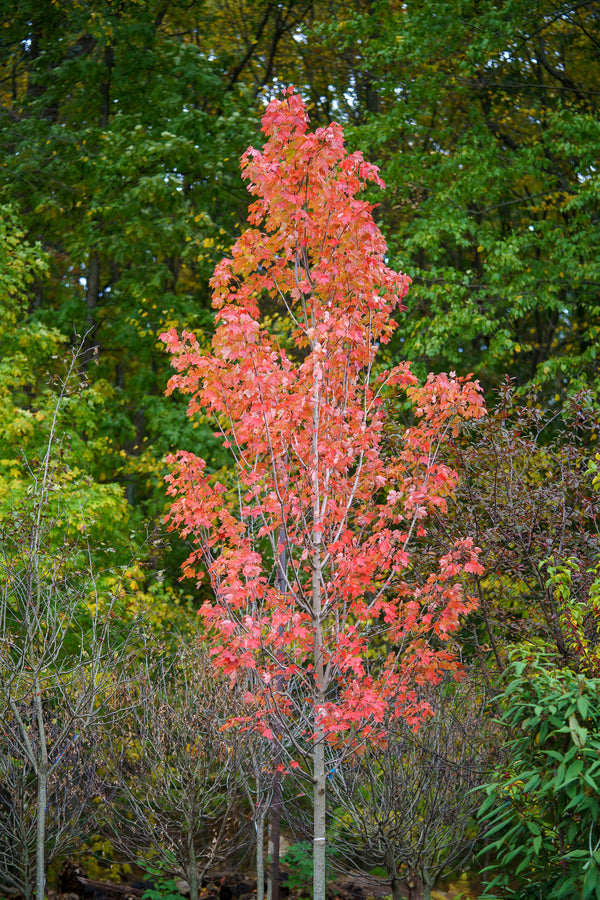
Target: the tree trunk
(320, 805)
(275, 817)
(193, 881)
(275, 830)
(193, 866)
(40, 838)
(260, 856)
(319, 782)
(397, 894)
(428, 886)
(42, 788)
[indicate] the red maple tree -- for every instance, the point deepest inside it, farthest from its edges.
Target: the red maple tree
(307, 543)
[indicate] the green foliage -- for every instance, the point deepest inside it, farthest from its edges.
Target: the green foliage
(46, 400)
(299, 863)
(99, 856)
(578, 617)
(121, 129)
(484, 117)
(119, 148)
(159, 873)
(165, 889)
(20, 263)
(542, 811)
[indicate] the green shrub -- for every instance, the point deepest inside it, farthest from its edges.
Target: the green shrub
(542, 813)
(299, 862)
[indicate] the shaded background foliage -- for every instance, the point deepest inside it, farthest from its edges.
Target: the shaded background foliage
(121, 125)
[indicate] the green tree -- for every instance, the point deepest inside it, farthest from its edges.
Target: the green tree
(116, 133)
(542, 808)
(484, 118)
(120, 129)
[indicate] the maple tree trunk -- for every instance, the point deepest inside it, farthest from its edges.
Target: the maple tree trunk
(260, 856)
(275, 829)
(42, 800)
(319, 784)
(319, 872)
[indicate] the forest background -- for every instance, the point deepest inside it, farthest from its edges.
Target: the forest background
(121, 129)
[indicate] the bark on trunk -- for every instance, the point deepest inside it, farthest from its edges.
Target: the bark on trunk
(397, 894)
(427, 889)
(275, 831)
(260, 856)
(193, 867)
(40, 849)
(319, 782)
(42, 801)
(319, 846)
